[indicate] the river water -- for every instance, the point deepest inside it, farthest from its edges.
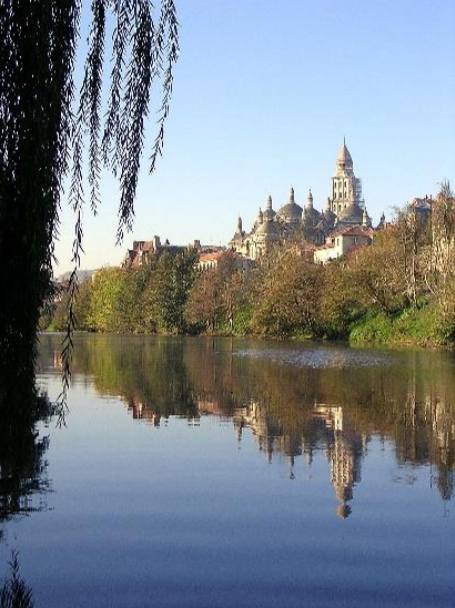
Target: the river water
(199, 472)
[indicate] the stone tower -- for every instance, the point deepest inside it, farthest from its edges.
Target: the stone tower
(346, 187)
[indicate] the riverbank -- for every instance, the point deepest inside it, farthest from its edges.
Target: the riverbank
(377, 295)
(418, 327)
(422, 327)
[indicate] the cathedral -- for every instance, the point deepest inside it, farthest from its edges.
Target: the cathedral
(344, 213)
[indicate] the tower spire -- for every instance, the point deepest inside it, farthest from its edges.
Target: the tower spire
(291, 195)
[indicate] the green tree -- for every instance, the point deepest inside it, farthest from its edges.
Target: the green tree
(339, 302)
(165, 296)
(203, 307)
(107, 287)
(128, 307)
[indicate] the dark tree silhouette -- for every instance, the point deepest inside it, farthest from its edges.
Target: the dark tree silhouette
(42, 140)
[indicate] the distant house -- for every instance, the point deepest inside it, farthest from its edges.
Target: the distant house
(211, 260)
(143, 251)
(338, 243)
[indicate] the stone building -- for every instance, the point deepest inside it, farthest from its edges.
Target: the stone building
(344, 209)
(144, 251)
(211, 260)
(339, 242)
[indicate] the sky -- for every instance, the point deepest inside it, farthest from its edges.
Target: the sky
(264, 92)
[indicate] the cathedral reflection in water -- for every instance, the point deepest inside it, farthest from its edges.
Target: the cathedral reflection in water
(405, 399)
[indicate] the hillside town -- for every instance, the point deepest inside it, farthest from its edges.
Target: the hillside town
(299, 271)
(320, 235)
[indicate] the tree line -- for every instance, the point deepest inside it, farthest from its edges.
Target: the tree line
(399, 289)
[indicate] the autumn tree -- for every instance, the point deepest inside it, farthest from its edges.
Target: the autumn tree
(203, 306)
(440, 263)
(377, 274)
(339, 299)
(288, 296)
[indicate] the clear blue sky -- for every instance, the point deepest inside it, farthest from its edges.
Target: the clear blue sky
(264, 93)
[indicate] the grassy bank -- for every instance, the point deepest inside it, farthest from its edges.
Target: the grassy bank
(423, 326)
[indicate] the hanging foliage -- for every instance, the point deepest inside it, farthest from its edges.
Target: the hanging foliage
(44, 138)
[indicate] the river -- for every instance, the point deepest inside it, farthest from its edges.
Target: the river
(219, 473)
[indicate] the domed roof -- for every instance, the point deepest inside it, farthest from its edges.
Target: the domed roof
(329, 218)
(353, 212)
(312, 213)
(269, 230)
(328, 214)
(291, 211)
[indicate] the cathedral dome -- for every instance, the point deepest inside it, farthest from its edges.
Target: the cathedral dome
(312, 214)
(329, 218)
(291, 212)
(352, 213)
(269, 230)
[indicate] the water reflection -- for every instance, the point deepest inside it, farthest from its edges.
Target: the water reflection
(23, 468)
(294, 401)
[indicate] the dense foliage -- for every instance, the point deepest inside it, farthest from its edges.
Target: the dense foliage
(400, 289)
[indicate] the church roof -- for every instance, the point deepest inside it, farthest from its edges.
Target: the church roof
(291, 211)
(329, 217)
(269, 229)
(354, 231)
(238, 237)
(344, 155)
(353, 212)
(312, 213)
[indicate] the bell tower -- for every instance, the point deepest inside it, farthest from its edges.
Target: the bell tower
(346, 187)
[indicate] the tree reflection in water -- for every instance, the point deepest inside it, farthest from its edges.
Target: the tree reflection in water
(336, 402)
(23, 482)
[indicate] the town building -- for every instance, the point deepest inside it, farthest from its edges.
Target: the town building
(211, 260)
(142, 252)
(339, 242)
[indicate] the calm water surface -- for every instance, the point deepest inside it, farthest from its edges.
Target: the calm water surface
(211, 473)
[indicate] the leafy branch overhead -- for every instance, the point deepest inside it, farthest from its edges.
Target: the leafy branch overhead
(49, 132)
(142, 53)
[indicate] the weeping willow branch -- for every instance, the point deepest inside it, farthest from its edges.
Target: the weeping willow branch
(42, 141)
